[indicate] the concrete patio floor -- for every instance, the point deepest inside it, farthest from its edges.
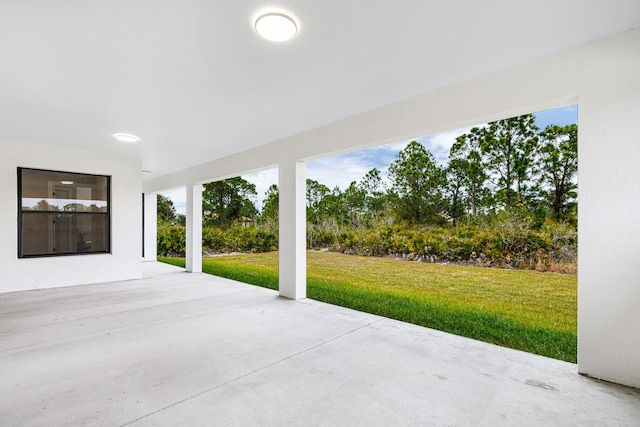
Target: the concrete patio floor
(176, 348)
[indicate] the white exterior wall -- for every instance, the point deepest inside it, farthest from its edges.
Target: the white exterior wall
(150, 227)
(609, 221)
(126, 221)
(604, 78)
(292, 240)
(194, 229)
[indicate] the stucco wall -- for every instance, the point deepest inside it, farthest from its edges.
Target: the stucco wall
(609, 219)
(604, 78)
(126, 221)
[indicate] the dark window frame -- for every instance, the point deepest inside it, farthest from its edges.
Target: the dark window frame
(106, 214)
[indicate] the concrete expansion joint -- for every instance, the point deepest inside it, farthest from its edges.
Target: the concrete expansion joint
(291, 356)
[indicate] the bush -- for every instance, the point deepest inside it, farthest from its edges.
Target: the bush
(504, 241)
(171, 240)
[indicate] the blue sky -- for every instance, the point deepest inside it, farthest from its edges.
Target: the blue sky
(341, 170)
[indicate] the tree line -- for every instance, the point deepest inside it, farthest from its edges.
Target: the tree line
(506, 197)
(508, 165)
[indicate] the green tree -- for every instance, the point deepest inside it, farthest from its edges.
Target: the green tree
(270, 205)
(166, 210)
(456, 182)
(417, 182)
(375, 199)
(315, 193)
(507, 148)
(466, 168)
(332, 205)
(559, 166)
(228, 201)
(354, 204)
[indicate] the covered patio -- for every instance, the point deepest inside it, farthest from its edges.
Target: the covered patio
(94, 332)
(174, 348)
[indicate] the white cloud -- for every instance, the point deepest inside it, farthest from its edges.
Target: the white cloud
(341, 170)
(263, 181)
(179, 198)
(393, 147)
(440, 143)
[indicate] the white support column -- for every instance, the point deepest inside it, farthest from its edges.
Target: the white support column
(194, 228)
(150, 241)
(292, 230)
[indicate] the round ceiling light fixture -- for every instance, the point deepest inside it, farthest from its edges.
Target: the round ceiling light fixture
(126, 137)
(276, 27)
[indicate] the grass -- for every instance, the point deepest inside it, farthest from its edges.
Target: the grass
(526, 310)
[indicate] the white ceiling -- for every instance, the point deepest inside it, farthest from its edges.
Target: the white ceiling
(194, 81)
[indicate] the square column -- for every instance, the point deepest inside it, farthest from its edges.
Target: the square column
(150, 220)
(194, 228)
(292, 269)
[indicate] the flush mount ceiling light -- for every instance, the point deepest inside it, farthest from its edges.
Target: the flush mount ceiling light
(126, 137)
(276, 27)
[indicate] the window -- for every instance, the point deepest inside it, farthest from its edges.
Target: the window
(62, 213)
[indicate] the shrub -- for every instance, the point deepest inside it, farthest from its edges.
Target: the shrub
(172, 241)
(504, 241)
(507, 241)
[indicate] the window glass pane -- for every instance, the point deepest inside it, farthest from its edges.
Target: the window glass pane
(62, 213)
(62, 233)
(63, 191)
(37, 234)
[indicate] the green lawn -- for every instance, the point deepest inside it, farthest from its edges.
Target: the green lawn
(526, 310)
